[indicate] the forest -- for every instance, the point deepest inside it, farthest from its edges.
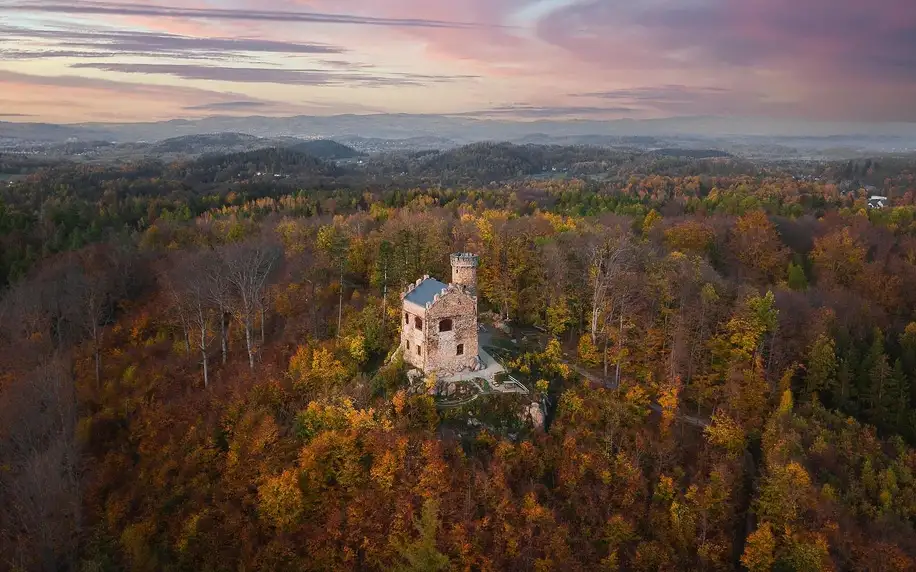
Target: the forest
(198, 365)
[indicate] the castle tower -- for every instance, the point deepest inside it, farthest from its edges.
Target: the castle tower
(464, 271)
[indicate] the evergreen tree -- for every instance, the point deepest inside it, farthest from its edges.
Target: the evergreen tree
(822, 366)
(846, 390)
(796, 277)
(872, 373)
(908, 347)
(898, 396)
(422, 555)
(879, 382)
(908, 356)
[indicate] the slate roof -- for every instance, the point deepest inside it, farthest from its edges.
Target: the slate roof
(425, 292)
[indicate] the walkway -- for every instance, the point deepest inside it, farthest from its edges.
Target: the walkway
(483, 380)
(491, 369)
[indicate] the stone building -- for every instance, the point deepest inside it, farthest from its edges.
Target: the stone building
(439, 321)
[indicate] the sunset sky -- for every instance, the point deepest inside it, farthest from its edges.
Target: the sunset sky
(513, 59)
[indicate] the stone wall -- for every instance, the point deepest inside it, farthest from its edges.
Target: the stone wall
(416, 337)
(464, 271)
(441, 347)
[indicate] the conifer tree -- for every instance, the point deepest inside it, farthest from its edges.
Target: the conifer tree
(422, 555)
(822, 366)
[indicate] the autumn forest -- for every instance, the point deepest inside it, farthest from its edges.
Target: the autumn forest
(198, 366)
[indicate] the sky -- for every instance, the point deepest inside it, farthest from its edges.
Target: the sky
(146, 60)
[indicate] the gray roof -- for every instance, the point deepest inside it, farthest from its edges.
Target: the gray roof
(425, 292)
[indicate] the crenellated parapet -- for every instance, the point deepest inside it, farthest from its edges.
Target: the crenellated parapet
(412, 287)
(464, 271)
(465, 259)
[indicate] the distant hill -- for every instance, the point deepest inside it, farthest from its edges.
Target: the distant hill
(78, 147)
(190, 144)
(374, 144)
(280, 161)
(484, 162)
(408, 132)
(50, 133)
(326, 149)
(691, 153)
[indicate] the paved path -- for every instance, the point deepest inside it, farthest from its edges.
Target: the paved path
(460, 403)
(492, 368)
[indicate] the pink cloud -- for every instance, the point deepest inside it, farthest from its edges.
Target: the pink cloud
(854, 36)
(89, 99)
(824, 58)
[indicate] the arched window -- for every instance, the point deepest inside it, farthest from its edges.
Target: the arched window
(445, 325)
(406, 319)
(418, 323)
(460, 350)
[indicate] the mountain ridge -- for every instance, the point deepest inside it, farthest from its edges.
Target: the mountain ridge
(459, 129)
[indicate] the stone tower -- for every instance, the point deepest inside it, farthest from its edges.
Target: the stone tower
(464, 271)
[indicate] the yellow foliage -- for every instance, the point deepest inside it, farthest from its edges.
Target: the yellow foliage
(664, 491)
(399, 402)
(588, 353)
(760, 550)
(430, 382)
(690, 236)
(253, 434)
(638, 397)
(668, 399)
(725, 432)
(485, 230)
(384, 469)
(558, 222)
(786, 402)
(337, 416)
(300, 363)
(650, 221)
(189, 531)
(356, 346)
(280, 500)
(316, 370)
(532, 510)
(558, 316)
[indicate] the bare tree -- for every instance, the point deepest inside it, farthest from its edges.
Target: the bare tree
(219, 295)
(608, 254)
(39, 488)
(248, 268)
(172, 284)
(56, 286)
(94, 289)
(334, 241)
(384, 256)
(24, 317)
(190, 290)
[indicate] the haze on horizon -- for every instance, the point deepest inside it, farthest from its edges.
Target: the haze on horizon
(818, 60)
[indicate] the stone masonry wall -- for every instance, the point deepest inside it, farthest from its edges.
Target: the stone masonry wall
(416, 337)
(464, 271)
(465, 276)
(441, 347)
